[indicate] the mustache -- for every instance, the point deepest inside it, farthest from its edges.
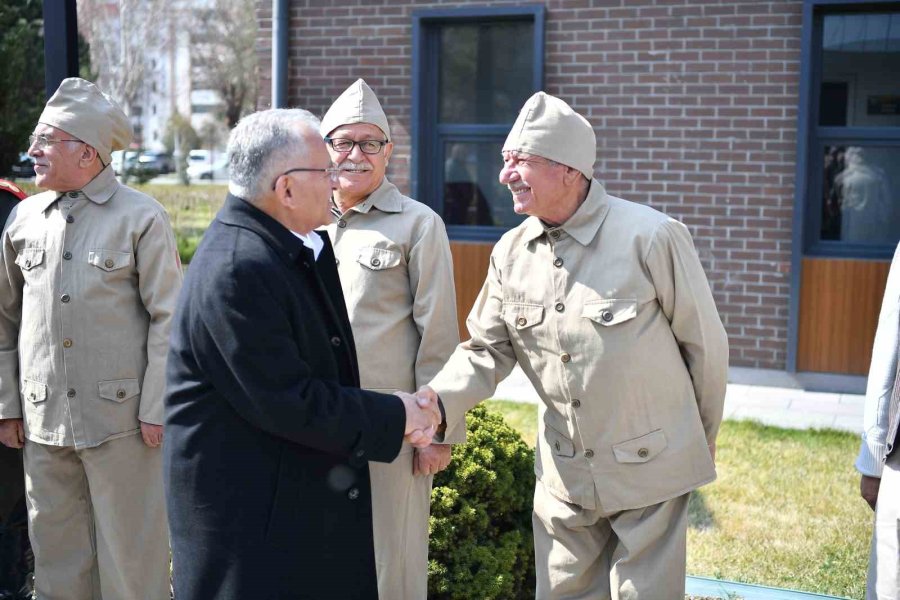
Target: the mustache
(351, 166)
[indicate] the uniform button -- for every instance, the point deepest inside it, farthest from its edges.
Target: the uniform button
(643, 452)
(27, 263)
(565, 357)
(576, 403)
(70, 393)
(560, 307)
(376, 262)
(607, 316)
(521, 321)
(556, 445)
(589, 453)
(67, 343)
(335, 341)
(108, 263)
(67, 255)
(72, 194)
(558, 262)
(554, 234)
(353, 494)
(120, 393)
(342, 223)
(70, 219)
(65, 298)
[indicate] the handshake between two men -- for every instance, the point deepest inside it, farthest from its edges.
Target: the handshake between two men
(423, 416)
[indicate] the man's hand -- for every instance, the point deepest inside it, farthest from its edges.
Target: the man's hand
(431, 460)
(868, 489)
(12, 432)
(422, 419)
(152, 434)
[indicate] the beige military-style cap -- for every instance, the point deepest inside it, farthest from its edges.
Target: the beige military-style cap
(80, 109)
(358, 104)
(548, 127)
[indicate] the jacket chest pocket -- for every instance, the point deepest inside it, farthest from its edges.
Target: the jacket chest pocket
(610, 312)
(521, 316)
(378, 259)
(30, 261)
(112, 262)
(34, 392)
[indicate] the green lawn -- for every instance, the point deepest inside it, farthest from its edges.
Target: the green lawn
(785, 511)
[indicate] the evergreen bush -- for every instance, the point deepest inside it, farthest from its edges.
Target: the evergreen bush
(481, 541)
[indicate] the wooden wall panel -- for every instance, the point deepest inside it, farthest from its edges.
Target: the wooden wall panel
(470, 265)
(839, 304)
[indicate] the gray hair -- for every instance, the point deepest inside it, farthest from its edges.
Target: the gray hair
(260, 146)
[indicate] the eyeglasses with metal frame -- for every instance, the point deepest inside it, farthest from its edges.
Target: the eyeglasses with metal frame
(42, 141)
(330, 172)
(346, 145)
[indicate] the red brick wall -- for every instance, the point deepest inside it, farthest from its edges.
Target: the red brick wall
(694, 103)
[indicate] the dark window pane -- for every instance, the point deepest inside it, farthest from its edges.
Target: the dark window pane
(485, 71)
(861, 194)
(472, 193)
(861, 70)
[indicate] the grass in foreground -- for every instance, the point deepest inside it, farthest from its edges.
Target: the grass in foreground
(785, 511)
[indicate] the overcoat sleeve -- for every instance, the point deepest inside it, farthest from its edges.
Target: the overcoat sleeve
(11, 282)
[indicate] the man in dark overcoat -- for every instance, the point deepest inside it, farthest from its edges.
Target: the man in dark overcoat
(268, 434)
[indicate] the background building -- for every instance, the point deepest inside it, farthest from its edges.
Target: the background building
(769, 127)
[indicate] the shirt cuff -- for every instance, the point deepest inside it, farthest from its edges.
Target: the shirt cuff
(870, 461)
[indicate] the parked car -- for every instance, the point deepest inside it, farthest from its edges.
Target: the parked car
(159, 162)
(123, 160)
(16, 559)
(24, 167)
(203, 170)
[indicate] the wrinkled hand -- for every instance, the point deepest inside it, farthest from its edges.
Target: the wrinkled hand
(868, 489)
(152, 434)
(422, 419)
(431, 460)
(12, 432)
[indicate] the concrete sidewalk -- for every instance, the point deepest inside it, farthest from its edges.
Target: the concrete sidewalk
(779, 405)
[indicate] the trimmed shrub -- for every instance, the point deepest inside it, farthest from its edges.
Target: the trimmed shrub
(481, 541)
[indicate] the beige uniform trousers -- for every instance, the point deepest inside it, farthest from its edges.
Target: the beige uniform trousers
(583, 554)
(401, 505)
(97, 519)
(884, 560)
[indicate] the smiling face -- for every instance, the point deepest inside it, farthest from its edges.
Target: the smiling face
(58, 166)
(536, 184)
(361, 174)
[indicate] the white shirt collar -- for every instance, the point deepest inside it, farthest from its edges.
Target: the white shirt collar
(312, 241)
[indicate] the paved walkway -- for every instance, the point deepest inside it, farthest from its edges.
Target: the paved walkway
(789, 407)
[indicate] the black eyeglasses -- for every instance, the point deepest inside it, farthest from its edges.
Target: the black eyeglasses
(330, 172)
(345, 145)
(42, 141)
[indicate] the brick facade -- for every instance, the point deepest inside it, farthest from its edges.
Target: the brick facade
(694, 103)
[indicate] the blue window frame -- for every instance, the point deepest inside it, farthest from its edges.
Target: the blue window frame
(848, 167)
(473, 68)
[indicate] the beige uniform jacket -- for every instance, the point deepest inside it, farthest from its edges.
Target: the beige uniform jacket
(397, 273)
(612, 320)
(88, 284)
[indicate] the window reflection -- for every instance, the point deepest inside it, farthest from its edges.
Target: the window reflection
(472, 193)
(860, 194)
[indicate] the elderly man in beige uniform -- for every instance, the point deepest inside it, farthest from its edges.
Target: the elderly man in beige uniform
(397, 275)
(605, 306)
(88, 283)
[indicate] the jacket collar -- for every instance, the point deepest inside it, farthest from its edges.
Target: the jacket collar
(385, 198)
(98, 190)
(241, 213)
(583, 225)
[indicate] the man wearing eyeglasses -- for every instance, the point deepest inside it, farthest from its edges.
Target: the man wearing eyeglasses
(88, 284)
(605, 306)
(268, 435)
(397, 276)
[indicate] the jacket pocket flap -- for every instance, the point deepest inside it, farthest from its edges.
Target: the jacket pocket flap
(34, 391)
(109, 260)
(610, 312)
(641, 449)
(378, 259)
(522, 316)
(119, 390)
(559, 443)
(29, 258)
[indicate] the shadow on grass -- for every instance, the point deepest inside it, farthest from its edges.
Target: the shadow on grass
(699, 515)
